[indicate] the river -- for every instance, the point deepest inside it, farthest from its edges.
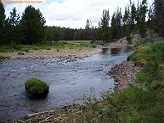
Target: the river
(69, 80)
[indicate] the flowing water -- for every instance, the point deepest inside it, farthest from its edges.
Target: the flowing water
(68, 80)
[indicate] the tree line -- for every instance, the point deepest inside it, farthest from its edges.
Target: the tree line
(30, 27)
(26, 29)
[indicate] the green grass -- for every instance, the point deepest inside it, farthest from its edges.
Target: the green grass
(48, 46)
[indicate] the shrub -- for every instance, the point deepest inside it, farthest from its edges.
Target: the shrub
(36, 88)
(128, 36)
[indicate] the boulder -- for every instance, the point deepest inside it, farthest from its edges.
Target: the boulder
(36, 88)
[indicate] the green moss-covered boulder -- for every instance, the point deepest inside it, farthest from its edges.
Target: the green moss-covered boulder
(36, 88)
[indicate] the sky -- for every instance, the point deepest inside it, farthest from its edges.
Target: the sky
(71, 13)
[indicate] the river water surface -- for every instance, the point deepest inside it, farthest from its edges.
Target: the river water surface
(68, 80)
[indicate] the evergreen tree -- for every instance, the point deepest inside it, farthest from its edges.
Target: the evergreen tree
(142, 18)
(118, 22)
(51, 34)
(2, 21)
(13, 28)
(88, 29)
(159, 16)
(150, 18)
(133, 16)
(126, 17)
(105, 25)
(137, 19)
(93, 33)
(98, 31)
(128, 35)
(33, 24)
(113, 28)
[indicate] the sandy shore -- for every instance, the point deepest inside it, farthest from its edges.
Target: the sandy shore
(53, 53)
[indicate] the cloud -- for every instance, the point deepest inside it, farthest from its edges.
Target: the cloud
(72, 13)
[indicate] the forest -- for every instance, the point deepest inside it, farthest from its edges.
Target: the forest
(30, 28)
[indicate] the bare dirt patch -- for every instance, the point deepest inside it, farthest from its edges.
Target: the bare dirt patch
(123, 42)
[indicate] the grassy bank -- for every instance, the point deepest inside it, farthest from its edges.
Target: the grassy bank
(142, 102)
(57, 44)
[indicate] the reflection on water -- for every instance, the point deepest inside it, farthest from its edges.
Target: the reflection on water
(105, 50)
(115, 51)
(68, 81)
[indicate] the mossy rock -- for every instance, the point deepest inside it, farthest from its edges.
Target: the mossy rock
(36, 88)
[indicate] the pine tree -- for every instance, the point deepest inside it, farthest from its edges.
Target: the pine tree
(133, 16)
(113, 28)
(88, 29)
(118, 22)
(33, 24)
(150, 18)
(159, 16)
(137, 19)
(126, 17)
(128, 36)
(13, 28)
(142, 18)
(105, 25)
(2, 21)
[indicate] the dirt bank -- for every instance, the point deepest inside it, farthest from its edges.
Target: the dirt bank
(53, 53)
(124, 42)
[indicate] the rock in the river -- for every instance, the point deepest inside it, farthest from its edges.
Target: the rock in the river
(36, 88)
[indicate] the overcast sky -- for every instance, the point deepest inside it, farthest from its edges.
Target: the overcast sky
(72, 13)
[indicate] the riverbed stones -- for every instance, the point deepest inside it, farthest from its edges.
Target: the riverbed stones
(36, 88)
(123, 74)
(54, 53)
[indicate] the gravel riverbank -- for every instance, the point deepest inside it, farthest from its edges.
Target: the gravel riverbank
(53, 53)
(124, 74)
